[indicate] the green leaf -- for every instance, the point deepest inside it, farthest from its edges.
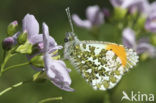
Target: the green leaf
(26, 48)
(39, 76)
(22, 37)
(37, 61)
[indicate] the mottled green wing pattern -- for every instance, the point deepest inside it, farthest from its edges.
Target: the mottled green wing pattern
(100, 67)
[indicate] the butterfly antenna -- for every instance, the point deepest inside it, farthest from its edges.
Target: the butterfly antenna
(70, 20)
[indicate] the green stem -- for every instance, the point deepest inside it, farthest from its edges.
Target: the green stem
(6, 58)
(13, 86)
(15, 66)
(50, 99)
(4, 54)
(107, 97)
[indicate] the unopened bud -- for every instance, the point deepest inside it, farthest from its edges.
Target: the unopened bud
(12, 28)
(8, 43)
(120, 13)
(22, 37)
(106, 12)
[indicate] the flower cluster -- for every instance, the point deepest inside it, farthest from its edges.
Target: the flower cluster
(140, 46)
(95, 17)
(102, 64)
(133, 18)
(41, 51)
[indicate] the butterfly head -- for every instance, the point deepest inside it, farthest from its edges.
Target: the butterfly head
(69, 37)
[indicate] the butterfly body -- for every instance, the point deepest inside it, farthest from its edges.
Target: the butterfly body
(101, 64)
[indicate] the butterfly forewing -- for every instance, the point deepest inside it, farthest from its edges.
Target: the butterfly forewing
(102, 64)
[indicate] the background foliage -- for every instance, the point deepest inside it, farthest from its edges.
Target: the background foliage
(142, 78)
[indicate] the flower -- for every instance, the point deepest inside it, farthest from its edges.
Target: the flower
(151, 19)
(56, 70)
(141, 46)
(132, 5)
(95, 17)
(31, 26)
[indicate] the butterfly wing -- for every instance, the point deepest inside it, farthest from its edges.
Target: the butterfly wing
(102, 64)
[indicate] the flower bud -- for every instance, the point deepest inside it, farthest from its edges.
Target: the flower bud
(120, 13)
(8, 43)
(106, 12)
(12, 27)
(22, 37)
(37, 61)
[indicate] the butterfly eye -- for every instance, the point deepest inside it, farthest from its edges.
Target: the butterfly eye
(66, 39)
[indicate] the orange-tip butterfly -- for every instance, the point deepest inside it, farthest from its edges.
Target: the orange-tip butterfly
(102, 64)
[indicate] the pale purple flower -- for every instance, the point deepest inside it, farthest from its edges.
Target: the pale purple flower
(95, 17)
(151, 19)
(141, 46)
(56, 70)
(132, 5)
(31, 26)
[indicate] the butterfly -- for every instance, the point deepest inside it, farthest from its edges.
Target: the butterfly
(102, 64)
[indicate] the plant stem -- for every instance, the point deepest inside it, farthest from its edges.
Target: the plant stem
(50, 99)
(13, 86)
(4, 54)
(6, 58)
(107, 97)
(15, 66)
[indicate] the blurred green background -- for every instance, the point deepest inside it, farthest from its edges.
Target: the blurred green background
(142, 78)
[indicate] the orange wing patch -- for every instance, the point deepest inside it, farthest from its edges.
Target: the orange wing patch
(119, 51)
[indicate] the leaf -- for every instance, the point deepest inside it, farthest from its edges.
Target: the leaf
(26, 48)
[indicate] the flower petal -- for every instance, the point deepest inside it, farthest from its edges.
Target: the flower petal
(153, 7)
(81, 23)
(116, 3)
(31, 25)
(95, 15)
(36, 38)
(151, 22)
(56, 69)
(146, 47)
(143, 40)
(128, 38)
(59, 76)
